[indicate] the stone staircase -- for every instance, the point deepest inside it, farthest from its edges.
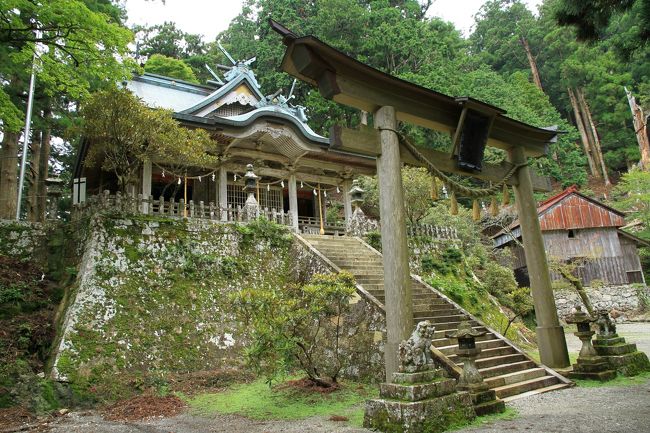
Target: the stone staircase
(506, 369)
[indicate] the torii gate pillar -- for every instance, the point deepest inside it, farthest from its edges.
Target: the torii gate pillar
(397, 279)
(550, 335)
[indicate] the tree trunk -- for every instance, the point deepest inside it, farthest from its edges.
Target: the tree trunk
(577, 284)
(595, 140)
(532, 63)
(33, 177)
(8, 175)
(44, 165)
(641, 130)
(583, 132)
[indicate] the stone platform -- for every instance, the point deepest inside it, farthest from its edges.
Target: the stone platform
(592, 368)
(422, 402)
(621, 356)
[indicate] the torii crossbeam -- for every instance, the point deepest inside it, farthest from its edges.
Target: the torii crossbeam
(350, 82)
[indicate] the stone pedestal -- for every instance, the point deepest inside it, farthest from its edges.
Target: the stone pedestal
(589, 365)
(593, 368)
(421, 402)
(485, 400)
(621, 356)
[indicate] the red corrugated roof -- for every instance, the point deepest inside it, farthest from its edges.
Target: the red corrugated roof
(574, 218)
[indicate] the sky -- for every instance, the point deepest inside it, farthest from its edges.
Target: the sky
(209, 17)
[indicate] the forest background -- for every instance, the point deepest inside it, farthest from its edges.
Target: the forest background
(538, 70)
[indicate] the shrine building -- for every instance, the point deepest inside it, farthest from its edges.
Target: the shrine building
(298, 171)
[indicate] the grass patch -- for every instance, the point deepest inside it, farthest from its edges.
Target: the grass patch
(259, 401)
(573, 357)
(508, 415)
(619, 381)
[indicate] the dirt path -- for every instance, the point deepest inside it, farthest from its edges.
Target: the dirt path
(619, 409)
(576, 410)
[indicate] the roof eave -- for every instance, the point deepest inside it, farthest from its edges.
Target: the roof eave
(336, 76)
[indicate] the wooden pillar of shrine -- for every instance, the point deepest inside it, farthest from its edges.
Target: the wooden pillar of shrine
(397, 279)
(146, 184)
(293, 202)
(550, 335)
(223, 192)
(347, 200)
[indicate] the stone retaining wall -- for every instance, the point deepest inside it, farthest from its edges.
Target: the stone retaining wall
(623, 299)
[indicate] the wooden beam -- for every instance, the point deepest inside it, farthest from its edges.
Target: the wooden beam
(284, 174)
(361, 141)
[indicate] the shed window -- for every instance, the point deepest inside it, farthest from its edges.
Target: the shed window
(572, 234)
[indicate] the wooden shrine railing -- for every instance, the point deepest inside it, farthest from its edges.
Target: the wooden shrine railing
(172, 208)
(130, 204)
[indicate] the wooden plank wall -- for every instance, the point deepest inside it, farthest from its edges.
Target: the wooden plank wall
(610, 257)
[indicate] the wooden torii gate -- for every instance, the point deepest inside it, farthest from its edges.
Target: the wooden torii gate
(349, 82)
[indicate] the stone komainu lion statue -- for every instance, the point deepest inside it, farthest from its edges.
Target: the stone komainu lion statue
(605, 325)
(415, 353)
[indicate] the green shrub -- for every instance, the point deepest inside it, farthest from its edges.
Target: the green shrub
(287, 325)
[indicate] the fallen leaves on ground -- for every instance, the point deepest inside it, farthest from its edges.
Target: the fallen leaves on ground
(144, 407)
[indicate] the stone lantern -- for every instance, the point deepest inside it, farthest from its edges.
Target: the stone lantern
(356, 194)
(54, 192)
(470, 379)
(251, 207)
(583, 322)
(484, 399)
(589, 365)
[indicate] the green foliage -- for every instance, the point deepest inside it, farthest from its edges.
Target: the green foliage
(124, 132)
(263, 230)
(81, 48)
(257, 400)
(170, 67)
(416, 184)
(286, 326)
(374, 239)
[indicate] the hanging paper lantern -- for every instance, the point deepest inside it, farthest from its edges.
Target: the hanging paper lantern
(301, 184)
(282, 183)
(314, 191)
(324, 193)
(213, 177)
(235, 177)
(163, 173)
(268, 187)
(338, 191)
(454, 204)
(476, 210)
(434, 189)
(199, 178)
(179, 180)
(506, 195)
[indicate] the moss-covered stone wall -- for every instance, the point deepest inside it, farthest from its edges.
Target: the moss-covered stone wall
(152, 298)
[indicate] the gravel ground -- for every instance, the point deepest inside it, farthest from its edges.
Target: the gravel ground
(638, 333)
(621, 409)
(610, 409)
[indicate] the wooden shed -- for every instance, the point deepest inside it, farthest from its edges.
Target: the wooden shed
(578, 228)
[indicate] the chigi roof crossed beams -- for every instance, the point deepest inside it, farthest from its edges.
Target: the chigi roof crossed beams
(248, 127)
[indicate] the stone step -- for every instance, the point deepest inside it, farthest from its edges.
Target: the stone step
(555, 387)
(443, 341)
(497, 360)
(447, 326)
(489, 353)
(525, 386)
(515, 377)
(485, 344)
(506, 368)
(443, 319)
(510, 373)
(440, 333)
